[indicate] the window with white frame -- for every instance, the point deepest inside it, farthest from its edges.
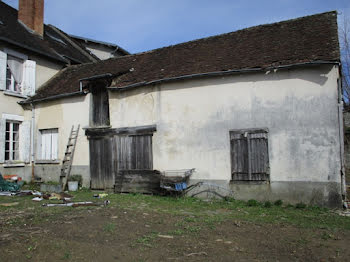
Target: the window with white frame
(17, 73)
(12, 141)
(49, 144)
(14, 74)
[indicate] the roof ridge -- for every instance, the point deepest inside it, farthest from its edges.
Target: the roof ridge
(299, 42)
(225, 34)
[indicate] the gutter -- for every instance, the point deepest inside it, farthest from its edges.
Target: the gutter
(220, 73)
(32, 142)
(341, 138)
(51, 98)
(33, 49)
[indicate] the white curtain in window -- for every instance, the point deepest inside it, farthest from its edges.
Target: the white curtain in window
(16, 67)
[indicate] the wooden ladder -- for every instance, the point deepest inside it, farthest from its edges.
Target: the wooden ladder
(68, 157)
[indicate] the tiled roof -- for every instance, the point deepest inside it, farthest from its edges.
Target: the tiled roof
(50, 45)
(303, 40)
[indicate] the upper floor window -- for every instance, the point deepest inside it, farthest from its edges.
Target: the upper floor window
(14, 74)
(17, 73)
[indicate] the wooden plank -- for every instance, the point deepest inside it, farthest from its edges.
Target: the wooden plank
(138, 181)
(140, 130)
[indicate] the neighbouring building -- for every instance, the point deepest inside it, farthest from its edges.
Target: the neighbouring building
(258, 111)
(100, 49)
(31, 53)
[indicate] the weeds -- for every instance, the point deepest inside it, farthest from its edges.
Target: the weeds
(300, 205)
(147, 240)
(267, 204)
(109, 228)
(252, 203)
(278, 202)
(67, 255)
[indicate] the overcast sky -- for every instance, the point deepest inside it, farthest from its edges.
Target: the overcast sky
(140, 25)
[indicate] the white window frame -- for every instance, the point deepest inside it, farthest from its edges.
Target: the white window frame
(12, 87)
(11, 151)
(12, 82)
(53, 146)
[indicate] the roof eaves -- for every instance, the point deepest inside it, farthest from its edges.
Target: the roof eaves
(5, 39)
(220, 73)
(54, 97)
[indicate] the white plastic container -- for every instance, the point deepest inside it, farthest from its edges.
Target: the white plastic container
(72, 185)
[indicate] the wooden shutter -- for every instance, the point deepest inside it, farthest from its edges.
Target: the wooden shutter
(24, 140)
(49, 144)
(258, 156)
(134, 152)
(249, 155)
(3, 65)
(141, 152)
(54, 144)
(239, 157)
(2, 139)
(28, 83)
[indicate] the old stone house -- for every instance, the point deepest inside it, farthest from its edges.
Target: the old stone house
(258, 111)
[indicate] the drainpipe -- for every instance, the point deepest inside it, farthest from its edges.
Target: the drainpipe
(341, 136)
(32, 140)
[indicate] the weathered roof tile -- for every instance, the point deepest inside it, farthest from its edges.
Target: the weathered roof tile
(307, 39)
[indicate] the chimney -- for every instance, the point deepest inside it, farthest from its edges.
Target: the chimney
(31, 13)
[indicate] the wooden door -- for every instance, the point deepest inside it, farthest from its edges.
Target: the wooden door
(102, 162)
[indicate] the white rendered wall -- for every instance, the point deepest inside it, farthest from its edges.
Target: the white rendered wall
(193, 118)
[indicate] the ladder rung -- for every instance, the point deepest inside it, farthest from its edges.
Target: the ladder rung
(68, 155)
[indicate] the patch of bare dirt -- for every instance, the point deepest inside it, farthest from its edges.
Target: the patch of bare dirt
(113, 234)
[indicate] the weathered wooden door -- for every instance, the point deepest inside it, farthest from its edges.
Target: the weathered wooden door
(117, 153)
(103, 162)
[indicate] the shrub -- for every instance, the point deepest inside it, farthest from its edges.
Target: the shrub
(252, 203)
(54, 183)
(300, 205)
(278, 202)
(76, 178)
(267, 204)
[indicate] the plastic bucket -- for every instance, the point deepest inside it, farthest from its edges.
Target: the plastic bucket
(72, 185)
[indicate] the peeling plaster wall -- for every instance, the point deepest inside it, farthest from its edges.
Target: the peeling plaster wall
(193, 118)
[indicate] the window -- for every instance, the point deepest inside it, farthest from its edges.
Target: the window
(49, 144)
(249, 155)
(17, 73)
(12, 141)
(14, 74)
